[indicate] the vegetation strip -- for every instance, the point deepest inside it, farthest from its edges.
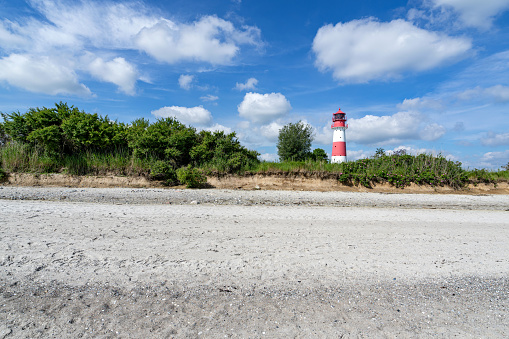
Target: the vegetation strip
(64, 139)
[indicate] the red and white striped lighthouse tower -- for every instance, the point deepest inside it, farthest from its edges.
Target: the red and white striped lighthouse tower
(339, 138)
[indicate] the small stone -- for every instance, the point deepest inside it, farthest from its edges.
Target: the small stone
(257, 187)
(4, 331)
(194, 202)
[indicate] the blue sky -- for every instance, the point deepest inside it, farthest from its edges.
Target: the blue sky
(423, 75)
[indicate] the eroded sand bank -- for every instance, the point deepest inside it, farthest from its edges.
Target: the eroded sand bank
(229, 263)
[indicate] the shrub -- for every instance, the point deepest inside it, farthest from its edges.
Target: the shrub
(222, 152)
(84, 131)
(191, 177)
(3, 175)
(162, 170)
(166, 139)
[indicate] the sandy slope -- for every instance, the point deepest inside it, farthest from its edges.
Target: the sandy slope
(179, 268)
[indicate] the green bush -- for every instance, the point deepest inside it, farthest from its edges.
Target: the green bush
(166, 139)
(191, 177)
(222, 152)
(83, 131)
(162, 170)
(3, 174)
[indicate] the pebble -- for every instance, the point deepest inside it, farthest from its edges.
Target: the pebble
(256, 197)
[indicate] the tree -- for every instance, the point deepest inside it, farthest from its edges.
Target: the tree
(319, 155)
(3, 135)
(294, 142)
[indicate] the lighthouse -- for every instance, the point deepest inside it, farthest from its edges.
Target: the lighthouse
(339, 138)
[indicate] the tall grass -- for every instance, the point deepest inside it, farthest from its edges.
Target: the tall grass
(18, 157)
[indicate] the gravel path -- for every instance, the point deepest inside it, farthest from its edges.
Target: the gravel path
(248, 198)
(152, 263)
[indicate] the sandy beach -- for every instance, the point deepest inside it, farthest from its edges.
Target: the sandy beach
(163, 263)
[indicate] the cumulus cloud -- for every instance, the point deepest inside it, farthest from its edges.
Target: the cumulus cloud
(324, 135)
(271, 131)
(474, 13)
(187, 115)
(363, 50)
(495, 159)
(210, 39)
(392, 129)
(117, 71)
(185, 81)
(218, 127)
(40, 75)
(432, 132)
(262, 108)
(72, 30)
(249, 85)
(495, 139)
(385, 129)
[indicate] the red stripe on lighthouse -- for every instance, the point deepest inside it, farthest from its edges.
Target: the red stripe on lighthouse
(339, 148)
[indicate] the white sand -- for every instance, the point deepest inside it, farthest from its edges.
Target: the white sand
(95, 269)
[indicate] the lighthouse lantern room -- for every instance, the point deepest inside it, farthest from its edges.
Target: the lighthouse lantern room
(339, 139)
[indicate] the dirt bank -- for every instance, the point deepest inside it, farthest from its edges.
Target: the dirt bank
(264, 182)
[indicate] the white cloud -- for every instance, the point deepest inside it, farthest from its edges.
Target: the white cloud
(243, 125)
(262, 108)
(249, 85)
(190, 116)
(432, 132)
(209, 97)
(353, 155)
(498, 93)
(270, 157)
(387, 129)
(271, 131)
(495, 159)
(185, 81)
(100, 24)
(362, 50)
(210, 39)
(391, 129)
(417, 104)
(474, 13)
(324, 135)
(218, 127)
(494, 139)
(9, 40)
(117, 71)
(73, 30)
(40, 75)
